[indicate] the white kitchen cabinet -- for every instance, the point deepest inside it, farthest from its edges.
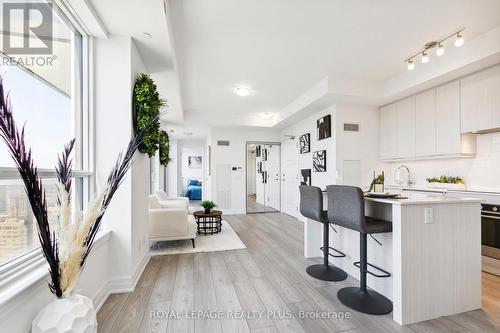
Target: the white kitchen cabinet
(425, 123)
(480, 100)
(388, 132)
(448, 139)
(406, 128)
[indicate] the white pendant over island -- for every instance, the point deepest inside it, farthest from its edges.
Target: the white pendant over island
(433, 254)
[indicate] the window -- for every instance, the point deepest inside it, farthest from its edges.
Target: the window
(47, 95)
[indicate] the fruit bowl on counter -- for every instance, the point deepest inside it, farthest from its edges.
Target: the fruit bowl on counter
(446, 183)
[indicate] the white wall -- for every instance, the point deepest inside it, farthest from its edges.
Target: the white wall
(308, 125)
(172, 171)
(359, 146)
(479, 173)
(234, 155)
(139, 176)
(251, 172)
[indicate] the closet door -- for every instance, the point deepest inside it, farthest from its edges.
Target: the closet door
(272, 187)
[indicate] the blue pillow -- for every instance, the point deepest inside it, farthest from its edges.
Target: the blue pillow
(192, 182)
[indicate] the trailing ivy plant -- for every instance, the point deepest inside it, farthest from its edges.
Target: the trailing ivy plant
(164, 148)
(147, 105)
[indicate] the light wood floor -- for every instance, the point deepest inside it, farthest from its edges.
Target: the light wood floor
(268, 275)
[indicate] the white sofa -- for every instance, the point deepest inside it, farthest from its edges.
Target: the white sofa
(169, 223)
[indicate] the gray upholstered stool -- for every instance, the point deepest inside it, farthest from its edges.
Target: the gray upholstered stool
(311, 206)
(346, 206)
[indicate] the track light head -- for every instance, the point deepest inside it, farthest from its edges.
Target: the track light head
(440, 50)
(460, 40)
(411, 65)
(425, 57)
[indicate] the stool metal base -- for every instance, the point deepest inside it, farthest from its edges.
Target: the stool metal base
(368, 301)
(326, 272)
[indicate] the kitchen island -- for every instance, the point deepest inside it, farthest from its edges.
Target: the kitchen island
(433, 254)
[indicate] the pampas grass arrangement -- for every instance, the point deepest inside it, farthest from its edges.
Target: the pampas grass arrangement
(66, 250)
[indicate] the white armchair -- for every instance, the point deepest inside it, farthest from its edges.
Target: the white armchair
(173, 223)
(171, 202)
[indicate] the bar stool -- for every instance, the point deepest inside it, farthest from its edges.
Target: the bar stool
(346, 206)
(311, 206)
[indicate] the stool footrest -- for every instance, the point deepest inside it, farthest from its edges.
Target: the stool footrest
(338, 255)
(384, 274)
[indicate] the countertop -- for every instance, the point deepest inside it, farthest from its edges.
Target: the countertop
(420, 199)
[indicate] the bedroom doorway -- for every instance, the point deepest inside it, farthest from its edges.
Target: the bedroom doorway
(263, 177)
(192, 161)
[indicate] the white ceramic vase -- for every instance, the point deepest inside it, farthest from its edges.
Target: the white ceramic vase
(74, 314)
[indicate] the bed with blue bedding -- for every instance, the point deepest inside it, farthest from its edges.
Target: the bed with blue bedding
(193, 189)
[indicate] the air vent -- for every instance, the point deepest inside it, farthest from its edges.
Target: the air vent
(351, 127)
(222, 142)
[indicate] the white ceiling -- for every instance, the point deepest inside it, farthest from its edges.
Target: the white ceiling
(281, 48)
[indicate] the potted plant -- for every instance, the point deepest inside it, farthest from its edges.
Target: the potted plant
(377, 184)
(208, 205)
(67, 248)
(446, 182)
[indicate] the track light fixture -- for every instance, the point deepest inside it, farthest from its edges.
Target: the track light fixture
(424, 53)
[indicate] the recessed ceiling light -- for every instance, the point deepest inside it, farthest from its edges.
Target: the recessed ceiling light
(266, 114)
(147, 35)
(188, 133)
(242, 91)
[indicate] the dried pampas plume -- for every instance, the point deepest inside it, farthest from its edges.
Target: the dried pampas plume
(67, 253)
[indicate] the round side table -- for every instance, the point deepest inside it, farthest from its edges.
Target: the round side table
(208, 224)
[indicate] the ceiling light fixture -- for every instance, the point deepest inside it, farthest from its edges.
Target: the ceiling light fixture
(425, 57)
(242, 91)
(147, 35)
(459, 41)
(266, 114)
(440, 50)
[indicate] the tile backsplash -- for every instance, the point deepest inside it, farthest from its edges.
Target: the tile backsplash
(479, 173)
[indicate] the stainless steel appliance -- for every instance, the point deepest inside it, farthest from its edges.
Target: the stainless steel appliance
(490, 230)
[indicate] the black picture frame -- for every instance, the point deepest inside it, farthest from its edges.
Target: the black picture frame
(306, 177)
(264, 154)
(319, 161)
(259, 167)
(305, 143)
(324, 127)
(257, 151)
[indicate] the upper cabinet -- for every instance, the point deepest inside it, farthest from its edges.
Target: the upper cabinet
(406, 127)
(428, 124)
(425, 123)
(388, 131)
(448, 138)
(480, 100)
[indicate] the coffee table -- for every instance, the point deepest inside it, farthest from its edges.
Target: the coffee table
(208, 224)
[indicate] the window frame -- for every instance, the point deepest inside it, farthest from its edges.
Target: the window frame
(14, 269)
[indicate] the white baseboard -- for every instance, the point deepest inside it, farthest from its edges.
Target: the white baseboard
(123, 284)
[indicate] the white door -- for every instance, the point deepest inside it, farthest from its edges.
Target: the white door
(273, 177)
(290, 178)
